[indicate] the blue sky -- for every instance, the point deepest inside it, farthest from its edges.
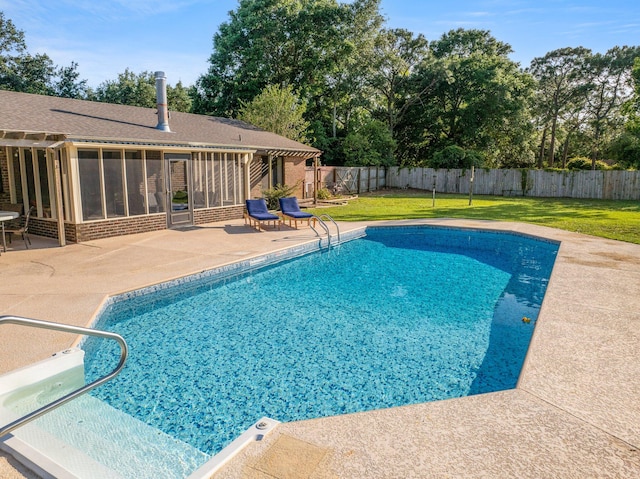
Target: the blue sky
(105, 37)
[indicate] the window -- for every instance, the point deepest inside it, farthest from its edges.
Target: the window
(43, 176)
(17, 174)
(155, 182)
(215, 185)
(231, 179)
(113, 185)
(90, 187)
(30, 199)
(134, 166)
(119, 183)
(200, 164)
(224, 179)
(271, 172)
(32, 180)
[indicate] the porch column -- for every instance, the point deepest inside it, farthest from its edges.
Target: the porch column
(246, 161)
(57, 181)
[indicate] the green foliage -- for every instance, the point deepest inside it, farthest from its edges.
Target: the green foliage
(129, 89)
(478, 99)
(30, 74)
(625, 150)
(23, 72)
(582, 163)
(561, 89)
(140, 90)
(371, 145)
(324, 194)
(11, 39)
(278, 42)
(179, 98)
(277, 110)
(272, 195)
(395, 56)
(180, 197)
(69, 85)
(455, 157)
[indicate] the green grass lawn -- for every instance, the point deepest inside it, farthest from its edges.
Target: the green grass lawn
(619, 220)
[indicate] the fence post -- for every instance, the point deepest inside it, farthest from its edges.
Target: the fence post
(471, 185)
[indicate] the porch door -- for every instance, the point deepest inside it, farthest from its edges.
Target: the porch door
(179, 201)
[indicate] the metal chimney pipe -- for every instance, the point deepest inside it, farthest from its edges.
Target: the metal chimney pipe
(161, 97)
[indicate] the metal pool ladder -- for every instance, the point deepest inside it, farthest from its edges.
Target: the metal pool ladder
(321, 221)
(37, 323)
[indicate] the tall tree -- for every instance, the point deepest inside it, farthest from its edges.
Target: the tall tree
(68, 84)
(269, 42)
(611, 86)
(129, 89)
(21, 71)
(31, 74)
(312, 45)
(395, 56)
(277, 110)
(561, 88)
(11, 39)
(479, 102)
(140, 90)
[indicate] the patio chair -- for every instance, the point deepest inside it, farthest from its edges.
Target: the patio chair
(291, 211)
(22, 230)
(257, 214)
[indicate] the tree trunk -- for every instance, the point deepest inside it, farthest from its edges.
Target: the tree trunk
(552, 145)
(334, 120)
(541, 155)
(596, 144)
(565, 152)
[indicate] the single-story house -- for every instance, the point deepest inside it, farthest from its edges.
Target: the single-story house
(94, 170)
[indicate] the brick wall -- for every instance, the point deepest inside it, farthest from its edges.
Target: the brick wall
(4, 171)
(212, 215)
(131, 225)
(119, 227)
(43, 227)
(294, 174)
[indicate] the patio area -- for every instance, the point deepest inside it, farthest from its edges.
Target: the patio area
(575, 412)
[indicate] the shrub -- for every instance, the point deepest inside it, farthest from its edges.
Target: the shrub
(272, 195)
(324, 194)
(455, 157)
(582, 163)
(371, 145)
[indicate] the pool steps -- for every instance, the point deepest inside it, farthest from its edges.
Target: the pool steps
(60, 444)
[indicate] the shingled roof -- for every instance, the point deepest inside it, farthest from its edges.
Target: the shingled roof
(82, 121)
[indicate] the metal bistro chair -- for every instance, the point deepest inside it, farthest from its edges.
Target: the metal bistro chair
(22, 230)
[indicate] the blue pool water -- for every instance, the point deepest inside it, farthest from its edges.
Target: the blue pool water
(401, 316)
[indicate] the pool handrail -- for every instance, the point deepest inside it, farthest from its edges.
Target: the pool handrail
(38, 323)
(320, 219)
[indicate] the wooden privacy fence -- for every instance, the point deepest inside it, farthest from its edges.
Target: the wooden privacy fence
(608, 185)
(346, 180)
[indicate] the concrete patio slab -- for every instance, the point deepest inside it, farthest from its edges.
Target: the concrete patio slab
(575, 412)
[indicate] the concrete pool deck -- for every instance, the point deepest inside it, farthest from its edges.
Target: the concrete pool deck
(575, 413)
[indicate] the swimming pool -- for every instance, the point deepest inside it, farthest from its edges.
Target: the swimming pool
(405, 315)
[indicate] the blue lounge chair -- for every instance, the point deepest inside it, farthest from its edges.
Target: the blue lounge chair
(257, 213)
(290, 210)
